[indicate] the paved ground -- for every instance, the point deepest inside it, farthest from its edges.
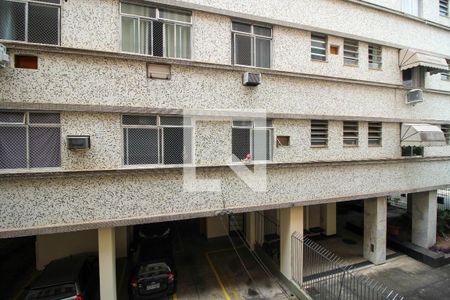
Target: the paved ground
(215, 270)
(412, 279)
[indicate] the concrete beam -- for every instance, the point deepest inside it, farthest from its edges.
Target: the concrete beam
(375, 216)
(107, 263)
(424, 219)
(291, 220)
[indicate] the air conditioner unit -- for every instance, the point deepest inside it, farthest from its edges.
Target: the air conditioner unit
(78, 142)
(251, 79)
(414, 96)
(4, 58)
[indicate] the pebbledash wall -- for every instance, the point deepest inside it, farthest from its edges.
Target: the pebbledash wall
(92, 84)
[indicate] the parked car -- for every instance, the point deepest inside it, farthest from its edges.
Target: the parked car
(153, 275)
(70, 278)
(162, 231)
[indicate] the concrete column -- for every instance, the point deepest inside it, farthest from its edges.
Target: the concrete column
(291, 220)
(424, 218)
(107, 263)
(259, 220)
(375, 215)
(328, 218)
(217, 226)
(250, 228)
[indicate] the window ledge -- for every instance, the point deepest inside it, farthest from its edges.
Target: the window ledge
(20, 174)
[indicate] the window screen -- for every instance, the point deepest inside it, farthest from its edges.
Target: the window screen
(375, 56)
(375, 133)
(251, 45)
(351, 52)
(29, 140)
(157, 32)
(252, 140)
(30, 21)
(443, 8)
(319, 133)
(350, 133)
(157, 140)
(318, 47)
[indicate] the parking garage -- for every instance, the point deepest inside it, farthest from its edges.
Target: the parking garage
(212, 258)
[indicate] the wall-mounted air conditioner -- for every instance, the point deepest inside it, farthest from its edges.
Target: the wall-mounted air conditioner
(78, 142)
(4, 58)
(414, 96)
(251, 79)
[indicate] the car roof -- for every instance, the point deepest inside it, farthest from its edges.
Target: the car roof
(151, 251)
(60, 271)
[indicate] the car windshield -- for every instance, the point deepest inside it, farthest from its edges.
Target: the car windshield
(56, 292)
(153, 269)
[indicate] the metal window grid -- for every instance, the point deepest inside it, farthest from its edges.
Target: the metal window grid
(165, 22)
(319, 133)
(318, 44)
(254, 37)
(446, 130)
(351, 133)
(375, 133)
(443, 8)
(351, 52)
(375, 56)
(254, 126)
(159, 126)
(28, 124)
(36, 3)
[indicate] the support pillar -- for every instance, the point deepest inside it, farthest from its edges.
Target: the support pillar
(375, 216)
(291, 220)
(250, 227)
(328, 218)
(424, 218)
(107, 263)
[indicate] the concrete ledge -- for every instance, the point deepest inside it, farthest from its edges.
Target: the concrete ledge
(421, 254)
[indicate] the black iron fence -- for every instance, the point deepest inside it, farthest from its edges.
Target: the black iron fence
(323, 275)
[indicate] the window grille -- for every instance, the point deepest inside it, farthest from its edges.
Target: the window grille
(252, 140)
(157, 140)
(33, 21)
(318, 47)
(375, 133)
(351, 133)
(351, 52)
(443, 8)
(153, 31)
(251, 45)
(30, 140)
(446, 130)
(375, 56)
(319, 133)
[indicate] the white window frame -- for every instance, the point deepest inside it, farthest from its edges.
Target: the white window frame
(316, 135)
(27, 125)
(159, 19)
(48, 4)
(160, 130)
(253, 37)
(351, 46)
(350, 132)
(325, 42)
(411, 7)
(252, 129)
(376, 62)
(375, 133)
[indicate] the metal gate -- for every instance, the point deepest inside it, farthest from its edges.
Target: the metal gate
(323, 275)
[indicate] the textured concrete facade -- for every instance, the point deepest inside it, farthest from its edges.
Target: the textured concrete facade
(87, 70)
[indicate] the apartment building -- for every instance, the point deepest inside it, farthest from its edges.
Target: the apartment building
(122, 112)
